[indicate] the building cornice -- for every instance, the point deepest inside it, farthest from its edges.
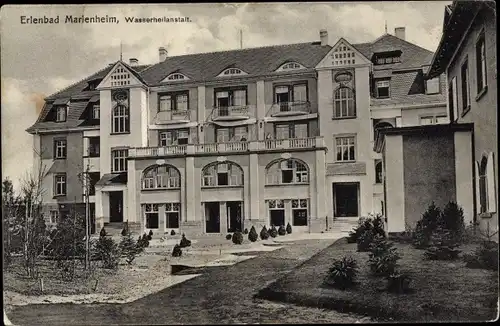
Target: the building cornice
(61, 130)
(407, 106)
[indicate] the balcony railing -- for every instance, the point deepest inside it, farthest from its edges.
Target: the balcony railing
(239, 112)
(232, 147)
(174, 116)
(289, 108)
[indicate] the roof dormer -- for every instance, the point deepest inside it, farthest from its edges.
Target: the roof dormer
(120, 76)
(387, 57)
(290, 65)
(232, 72)
(343, 54)
(175, 76)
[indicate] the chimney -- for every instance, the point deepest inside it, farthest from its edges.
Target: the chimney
(162, 53)
(323, 36)
(133, 62)
(400, 32)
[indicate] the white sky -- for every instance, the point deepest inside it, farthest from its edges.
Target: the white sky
(38, 60)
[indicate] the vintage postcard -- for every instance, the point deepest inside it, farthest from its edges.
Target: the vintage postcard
(249, 163)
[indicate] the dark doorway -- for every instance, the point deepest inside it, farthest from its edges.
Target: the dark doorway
(345, 199)
(115, 206)
(234, 219)
(212, 217)
(277, 217)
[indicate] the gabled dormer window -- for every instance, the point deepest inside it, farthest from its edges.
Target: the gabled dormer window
(61, 113)
(290, 66)
(390, 57)
(176, 77)
(232, 72)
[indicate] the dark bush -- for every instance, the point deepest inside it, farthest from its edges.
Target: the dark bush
(103, 232)
(129, 248)
(264, 234)
(443, 245)
(172, 232)
(485, 256)
(184, 242)
(237, 237)
(365, 239)
(125, 229)
(426, 226)
(378, 225)
(368, 228)
(252, 235)
(150, 235)
(452, 219)
(288, 228)
(383, 257)
(144, 241)
(273, 232)
(281, 230)
(343, 273)
(177, 251)
(398, 283)
(360, 229)
(107, 251)
(229, 236)
(245, 231)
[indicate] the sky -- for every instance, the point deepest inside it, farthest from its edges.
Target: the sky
(38, 60)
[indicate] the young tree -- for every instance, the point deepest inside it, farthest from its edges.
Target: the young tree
(11, 207)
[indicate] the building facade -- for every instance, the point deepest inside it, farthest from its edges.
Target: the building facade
(215, 142)
(467, 55)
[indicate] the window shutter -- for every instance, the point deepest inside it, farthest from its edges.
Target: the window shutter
(490, 177)
(477, 192)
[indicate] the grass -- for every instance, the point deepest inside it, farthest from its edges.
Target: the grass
(442, 290)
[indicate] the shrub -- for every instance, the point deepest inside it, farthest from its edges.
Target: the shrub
(229, 236)
(245, 231)
(252, 235)
(144, 242)
(364, 240)
(378, 225)
(125, 229)
(398, 283)
(273, 232)
(237, 237)
(150, 235)
(184, 242)
(264, 234)
(452, 219)
(343, 273)
(485, 256)
(129, 248)
(367, 229)
(383, 257)
(425, 226)
(360, 229)
(107, 251)
(177, 251)
(172, 232)
(103, 232)
(443, 245)
(281, 230)
(288, 228)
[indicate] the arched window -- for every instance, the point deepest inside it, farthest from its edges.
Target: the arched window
(380, 125)
(378, 172)
(176, 76)
(290, 66)
(222, 174)
(161, 177)
(232, 72)
(287, 171)
(344, 103)
(483, 185)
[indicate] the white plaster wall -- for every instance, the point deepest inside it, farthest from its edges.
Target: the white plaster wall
(464, 174)
(411, 117)
(395, 183)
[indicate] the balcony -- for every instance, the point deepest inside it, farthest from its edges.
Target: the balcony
(284, 109)
(232, 147)
(231, 113)
(172, 117)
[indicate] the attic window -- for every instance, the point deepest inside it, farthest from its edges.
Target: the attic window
(176, 76)
(120, 77)
(290, 66)
(61, 113)
(343, 55)
(232, 72)
(384, 58)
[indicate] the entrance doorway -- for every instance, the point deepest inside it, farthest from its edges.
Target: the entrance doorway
(346, 199)
(212, 217)
(115, 206)
(234, 216)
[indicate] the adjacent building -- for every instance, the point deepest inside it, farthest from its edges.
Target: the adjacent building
(454, 162)
(211, 143)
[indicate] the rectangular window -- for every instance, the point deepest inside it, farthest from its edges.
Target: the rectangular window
(61, 113)
(230, 97)
(345, 148)
(432, 86)
(172, 215)
(299, 212)
(464, 74)
(54, 217)
(424, 121)
(291, 130)
(383, 88)
(285, 94)
(94, 147)
(96, 112)
(151, 216)
(232, 134)
(120, 121)
(60, 184)
(433, 119)
(175, 101)
(119, 160)
(452, 98)
(60, 148)
(174, 137)
(481, 63)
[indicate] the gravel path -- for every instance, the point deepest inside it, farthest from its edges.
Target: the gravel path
(220, 295)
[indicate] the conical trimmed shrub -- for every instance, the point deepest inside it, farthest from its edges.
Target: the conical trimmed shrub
(281, 230)
(288, 228)
(264, 234)
(252, 235)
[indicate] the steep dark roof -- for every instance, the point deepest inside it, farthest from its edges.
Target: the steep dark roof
(254, 61)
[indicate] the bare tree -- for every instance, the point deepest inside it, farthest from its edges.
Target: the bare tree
(11, 208)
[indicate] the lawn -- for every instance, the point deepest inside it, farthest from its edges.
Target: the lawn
(442, 290)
